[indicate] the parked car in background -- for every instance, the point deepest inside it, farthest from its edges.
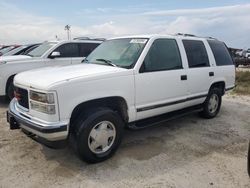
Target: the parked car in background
(4, 46)
(246, 53)
(125, 82)
(7, 49)
(22, 50)
(242, 61)
(55, 53)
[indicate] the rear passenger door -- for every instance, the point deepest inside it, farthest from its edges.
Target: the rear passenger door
(84, 50)
(67, 52)
(161, 82)
(199, 72)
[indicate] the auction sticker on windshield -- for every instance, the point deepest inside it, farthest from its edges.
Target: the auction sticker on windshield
(141, 41)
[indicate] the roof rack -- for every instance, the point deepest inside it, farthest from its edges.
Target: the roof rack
(191, 35)
(186, 35)
(88, 38)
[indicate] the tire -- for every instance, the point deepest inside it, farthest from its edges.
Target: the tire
(212, 104)
(248, 160)
(102, 123)
(10, 90)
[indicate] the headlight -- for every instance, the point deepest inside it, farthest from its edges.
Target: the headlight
(42, 97)
(42, 102)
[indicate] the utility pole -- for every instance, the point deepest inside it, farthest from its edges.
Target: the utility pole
(67, 28)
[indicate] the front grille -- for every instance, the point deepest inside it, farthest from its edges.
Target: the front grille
(22, 97)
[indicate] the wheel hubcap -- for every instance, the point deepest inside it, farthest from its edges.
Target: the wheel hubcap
(213, 103)
(101, 137)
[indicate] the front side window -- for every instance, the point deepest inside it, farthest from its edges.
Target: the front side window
(196, 53)
(221, 53)
(40, 50)
(68, 50)
(87, 48)
(120, 52)
(163, 55)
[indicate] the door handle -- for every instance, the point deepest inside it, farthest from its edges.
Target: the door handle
(211, 73)
(183, 77)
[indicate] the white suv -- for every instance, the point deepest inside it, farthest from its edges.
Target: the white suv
(56, 53)
(125, 82)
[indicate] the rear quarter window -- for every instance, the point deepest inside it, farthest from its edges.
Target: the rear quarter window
(196, 53)
(221, 53)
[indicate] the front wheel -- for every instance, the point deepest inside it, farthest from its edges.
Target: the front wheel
(98, 135)
(212, 104)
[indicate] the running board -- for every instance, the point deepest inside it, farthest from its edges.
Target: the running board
(149, 122)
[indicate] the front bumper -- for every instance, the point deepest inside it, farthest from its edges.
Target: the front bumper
(49, 131)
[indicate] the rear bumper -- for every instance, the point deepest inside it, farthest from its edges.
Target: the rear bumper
(50, 131)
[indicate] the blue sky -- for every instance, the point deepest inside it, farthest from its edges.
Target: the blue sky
(26, 21)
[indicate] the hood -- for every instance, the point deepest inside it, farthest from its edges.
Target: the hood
(14, 58)
(45, 78)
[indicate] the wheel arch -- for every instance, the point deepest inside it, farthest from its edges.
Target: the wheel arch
(220, 84)
(115, 103)
(11, 78)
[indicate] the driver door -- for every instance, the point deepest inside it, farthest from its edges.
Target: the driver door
(67, 52)
(161, 84)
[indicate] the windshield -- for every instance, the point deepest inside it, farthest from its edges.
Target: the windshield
(13, 52)
(119, 52)
(40, 50)
(4, 50)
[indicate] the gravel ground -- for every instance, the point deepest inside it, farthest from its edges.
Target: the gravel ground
(186, 152)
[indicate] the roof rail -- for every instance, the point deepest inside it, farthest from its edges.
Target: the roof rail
(186, 35)
(87, 38)
(191, 35)
(211, 38)
(102, 39)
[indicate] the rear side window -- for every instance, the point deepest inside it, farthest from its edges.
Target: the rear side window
(87, 48)
(68, 50)
(163, 55)
(221, 53)
(196, 53)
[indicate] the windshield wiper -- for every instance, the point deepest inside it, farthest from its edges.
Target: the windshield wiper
(108, 62)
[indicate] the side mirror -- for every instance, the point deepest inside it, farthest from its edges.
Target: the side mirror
(54, 55)
(83, 59)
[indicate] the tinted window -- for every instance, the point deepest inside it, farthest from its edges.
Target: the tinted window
(163, 55)
(68, 50)
(221, 53)
(196, 53)
(87, 48)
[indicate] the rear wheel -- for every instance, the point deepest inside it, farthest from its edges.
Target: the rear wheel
(211, 106)
(98, 134)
